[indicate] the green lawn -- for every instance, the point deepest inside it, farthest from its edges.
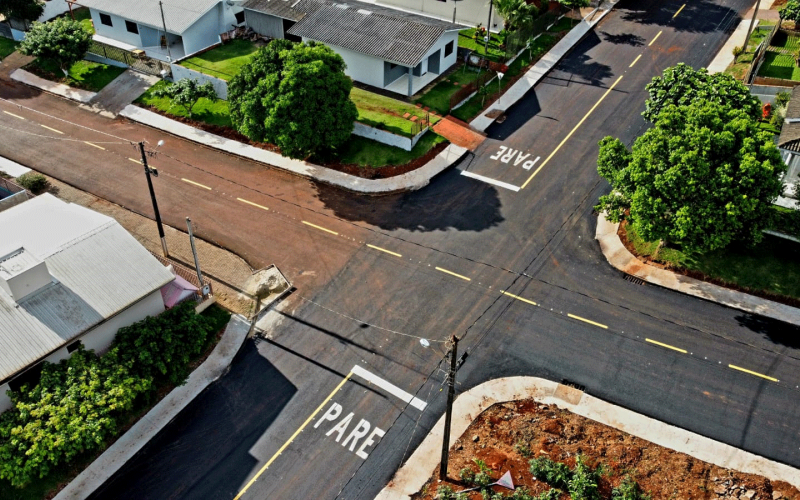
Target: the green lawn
(777, 65)
(224, 61)
(496, 54)
(368, 153)
(438, 97)
(742, 63)
(384, 112)
(208, 111)
(563, 24)
(773, 265)
(87, 75)
(85, 18)
(7, 46)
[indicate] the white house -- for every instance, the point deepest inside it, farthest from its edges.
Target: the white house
(789, 146)
(385, 48)
(68, 276)
(15, 28)
(170, 31)
(467, 12)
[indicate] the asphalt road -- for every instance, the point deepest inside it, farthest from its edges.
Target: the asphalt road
(517, 273)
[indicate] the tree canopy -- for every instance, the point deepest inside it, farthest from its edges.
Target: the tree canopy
(790, 11)
(515, 13)
(186, 93)
(705, 175)
(295, 96)
(574, 4)
(61, 40)
(26, 10)
(682, 84)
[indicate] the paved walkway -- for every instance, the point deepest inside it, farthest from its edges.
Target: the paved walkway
(422, 463)
(130, 443)
(458, 133)
(619, 257)
(122, 91)
(541, 68)
(12, 62)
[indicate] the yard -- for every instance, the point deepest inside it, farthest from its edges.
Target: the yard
(7, 46)
(225, 61)
(372, 154)
(438, 97)
(86, 75)
(207, 111)
(780, 60)
(85, 18)
(386, 113)
(466, 39)
(742, 63)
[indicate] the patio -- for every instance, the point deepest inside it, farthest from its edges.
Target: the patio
(400, 86)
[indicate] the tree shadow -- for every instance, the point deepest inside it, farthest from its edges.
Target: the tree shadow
(623, 39)
(775, 331)
(703, 16)
(230, 417)
(450, 201)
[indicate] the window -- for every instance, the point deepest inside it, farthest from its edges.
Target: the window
(448, 49)
(105, 19)
(240, 17)
(74, 346)
(132, 27)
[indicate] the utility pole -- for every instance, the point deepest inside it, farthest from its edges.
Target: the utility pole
(451, 391)
(147, 172)
(166, 35)
(488, 30)
(750, 28)
(196, 262)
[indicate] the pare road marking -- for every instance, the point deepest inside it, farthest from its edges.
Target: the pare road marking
(361, 430)
(506, 154)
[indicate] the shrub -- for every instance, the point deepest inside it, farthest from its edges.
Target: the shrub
(523, 449)
(553, 473)
(737, 51)
(33, 181)
(583, 483)
(628, 490)
(782, 98)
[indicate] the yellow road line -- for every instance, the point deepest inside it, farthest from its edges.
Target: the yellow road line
(196, 184)
(251, 203)
(287, 443)
(654, 38)
(12, 114)
(635, 60)
(453, 274)
(94, 145)
(571, 132)
(665, 345)
(134, 160)
(679, 11)
(48, 128)
(518, 297)
(753, 373)
(319, 227)
(587, 321)
(384, 250)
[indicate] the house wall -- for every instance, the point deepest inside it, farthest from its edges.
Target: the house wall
(150, 37)
(117, 31)
(205, 32)
(264, 24)
(361, 67)
(445, 62)
(391, 74)
(468, 12)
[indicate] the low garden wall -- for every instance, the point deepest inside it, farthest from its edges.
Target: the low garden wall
(385, 137)
(774, 82)
(180, 72)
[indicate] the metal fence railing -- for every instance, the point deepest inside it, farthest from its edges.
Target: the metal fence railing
(138, 62)
(758, 57)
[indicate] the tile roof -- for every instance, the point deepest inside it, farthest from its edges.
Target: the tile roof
(790, 132)
(178, 14)
(98, 270)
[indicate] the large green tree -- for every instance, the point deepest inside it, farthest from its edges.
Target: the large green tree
(705, 175)
(295, 96)
(25, 10)
(62, 41)
(682, 84)
(791, 11)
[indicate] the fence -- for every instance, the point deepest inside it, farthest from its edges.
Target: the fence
(758, 58)
(11, 194)
(517, 40)
(464, 92)
(140, 63)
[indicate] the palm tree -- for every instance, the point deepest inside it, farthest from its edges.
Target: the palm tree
(515, 13)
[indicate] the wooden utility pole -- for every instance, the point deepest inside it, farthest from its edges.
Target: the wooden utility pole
(750, 28)
(451, 390)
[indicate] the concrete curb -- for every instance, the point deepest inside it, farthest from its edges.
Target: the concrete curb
(130, 443)
(407, 182)
(27, 78)
(620, 258)
(540, 69)
(416, 471)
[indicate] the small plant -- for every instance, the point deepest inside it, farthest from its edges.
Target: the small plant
(551, 494)
(482, 477)
(583, 484)
(445, 492)
(33, 181)
(782, 98)
(523, 449)
(737, 51)
(553, 473)
(628, 490)
(467, 475)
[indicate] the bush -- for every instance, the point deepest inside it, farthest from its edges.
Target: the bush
(583, 483)
(553, 473)
(786, 221)
(628, 490)
(33, 181)
(737, 51)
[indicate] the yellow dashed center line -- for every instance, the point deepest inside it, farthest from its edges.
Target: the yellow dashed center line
(196, 184)
(384, 250)
(772, 379)
(679, 11)
(635, 60)
(253, 204)
(571, 132)
(665, 345)
(320, 228)
(94, 145)
(12, 114)
(296, 433)
(453, 274)
(518, 297)
(654, 38)
(587, 321)
(134, 160)
(51, 129)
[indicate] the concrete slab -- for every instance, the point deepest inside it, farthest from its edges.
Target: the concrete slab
(27, 78)
(123, 90)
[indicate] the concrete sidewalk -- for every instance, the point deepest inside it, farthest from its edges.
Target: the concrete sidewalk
(130, 443)
(410, 478)
(724, 57)
(541, 68)
(620, 258)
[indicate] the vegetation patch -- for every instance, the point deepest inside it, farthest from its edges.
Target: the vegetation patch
(372, 154)
(213, 112)
(7, 46)
(83, 16)
(386, 113)
(87, 75)
(438, 97)
(469, 40)
(223, 62)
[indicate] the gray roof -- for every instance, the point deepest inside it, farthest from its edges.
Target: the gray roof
(98, 270)
(790, 132)
(389, 34)
(178, 14)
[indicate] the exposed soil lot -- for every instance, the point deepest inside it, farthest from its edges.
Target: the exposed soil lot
(507, 435)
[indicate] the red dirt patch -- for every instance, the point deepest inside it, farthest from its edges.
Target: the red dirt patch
(510, 434)
(458, 133)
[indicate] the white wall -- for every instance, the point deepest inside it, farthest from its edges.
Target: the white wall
(445, 62)
(117, 31)
(361, 67)
(206, 30)
(180, 72)
(387, 137)
(5, 401)
(54, 8)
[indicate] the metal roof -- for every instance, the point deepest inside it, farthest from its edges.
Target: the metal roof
(178, 14)
(790, 132)
(98, 270)
(293, 10)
